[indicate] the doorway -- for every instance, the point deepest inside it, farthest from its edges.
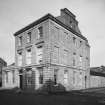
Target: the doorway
(85, 81)
(21, 81)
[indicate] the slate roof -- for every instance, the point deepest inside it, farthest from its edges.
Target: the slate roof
(98, 71)
(49, 16)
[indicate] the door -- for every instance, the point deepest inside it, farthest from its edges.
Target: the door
(85, 81)
(21, 81)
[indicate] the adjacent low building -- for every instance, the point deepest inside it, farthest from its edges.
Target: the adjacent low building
(51, 48)
(97, 76)
(10, 77)
(2, 64)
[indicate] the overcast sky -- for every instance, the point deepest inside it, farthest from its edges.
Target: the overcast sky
(15, 14)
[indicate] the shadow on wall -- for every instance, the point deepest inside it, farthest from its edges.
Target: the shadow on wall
(50, 87)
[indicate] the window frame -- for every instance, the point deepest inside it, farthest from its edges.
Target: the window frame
(20, 40)
(66, 76)
(40, 32)
(20, 58)
(29, 77)
(29, 37)
(74, 40)
(41, 75)
(55, 76)
(74, 60)
(13, 76)
(6, 76)
(28, 56)
(39, 56)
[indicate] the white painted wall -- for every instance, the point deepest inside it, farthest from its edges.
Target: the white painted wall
(10, 83)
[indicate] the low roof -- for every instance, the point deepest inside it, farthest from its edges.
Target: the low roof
(98, 71)
(3, 62)
(10, 67)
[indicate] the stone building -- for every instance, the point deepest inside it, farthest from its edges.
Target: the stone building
(97, 76)
(52, 48)
(10, 76)
(2, 64)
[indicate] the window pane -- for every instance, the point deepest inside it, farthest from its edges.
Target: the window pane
(29, 77)
(40, 32)
(19, 58)
(80, 79)
(56, 55)
(13, 75)
(66, 77)
(20, 40)
(39, 54)
(6, 76)
(41, 75)
(29, 37)
(28, 56)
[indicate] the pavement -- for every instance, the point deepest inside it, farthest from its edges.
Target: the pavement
(92, 96)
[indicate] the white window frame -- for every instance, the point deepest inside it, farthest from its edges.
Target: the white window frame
(74, 77)
(6, 76)
(56, 54)
(40, 32)
(65, 76)
(28, 56)
(74, 40)
(28, 37)
(80, 79)
(20, 40)
(81, 61)
(39, 54)
(29, 77)
(20, 58)
(13, 76)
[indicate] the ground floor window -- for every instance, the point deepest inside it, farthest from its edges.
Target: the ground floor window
(74, 77)
(40, 75)
(55, 76)
(6, 75)
(65, 76)
(13, 76)
(29, 77)
(80, 79)
(85, 80)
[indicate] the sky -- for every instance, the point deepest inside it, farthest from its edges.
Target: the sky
(16, 14)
